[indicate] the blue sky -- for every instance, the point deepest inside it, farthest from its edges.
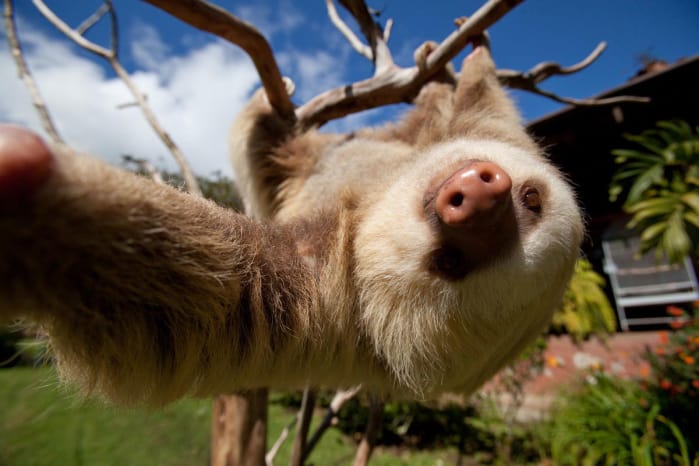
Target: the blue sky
(197, 83)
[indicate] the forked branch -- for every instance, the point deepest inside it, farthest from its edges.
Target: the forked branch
(529, 80)
(111, 55)
(211, 18)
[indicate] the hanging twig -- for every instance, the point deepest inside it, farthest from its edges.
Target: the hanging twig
(366, 446)
(111, 56)
(305, 415)
(340, 398)
(145, 167)
(284, 434)
(26, 76)
(528, 80)
(361, 48)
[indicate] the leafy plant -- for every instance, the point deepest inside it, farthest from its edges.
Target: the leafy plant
(660, 179)
(675, 375)
(611, 421)
(585, 308)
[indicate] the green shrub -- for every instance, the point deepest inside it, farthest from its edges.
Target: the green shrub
(674, 382)
(659, 183)
(612, 421)
(585, 309)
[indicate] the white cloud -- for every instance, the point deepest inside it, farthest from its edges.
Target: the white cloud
(195, 97)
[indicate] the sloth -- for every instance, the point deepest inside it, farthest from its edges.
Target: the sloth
(415, 259)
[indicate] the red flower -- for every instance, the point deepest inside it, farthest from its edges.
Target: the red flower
(695, 384)
(675, 311)
(665, 384)
(677, 324)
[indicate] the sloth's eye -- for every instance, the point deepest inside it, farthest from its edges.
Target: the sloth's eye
(532, 199)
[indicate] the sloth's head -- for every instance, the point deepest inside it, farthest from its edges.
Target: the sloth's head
(462, 260)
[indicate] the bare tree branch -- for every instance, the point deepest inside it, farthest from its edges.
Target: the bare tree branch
(111, 56)
(374, 34)
(305, 415)
(145, 167)
(361, 48)
(217, 21)
(340, 398)
(70, 33)
(26, 76)
(528, 81)
(472, 27)
(93, 19)
(397, 84)
(366, 446)
(272, 453)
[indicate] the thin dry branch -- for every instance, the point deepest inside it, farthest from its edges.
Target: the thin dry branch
(366, 446)
(69, 32)
(111, 55)
(92, 19)
(361, 48)
(217, 21)
(341, 397)
(299, 451)
(145, 167)
(529, 80)
(374, 34)
(272, 453)
(397, 84)
(26, 76)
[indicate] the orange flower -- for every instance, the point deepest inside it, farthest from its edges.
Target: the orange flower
(689, 360)
(665, 384)
(660, 351)
(644, 371)
(675, 311)
(677, 324)
(663, 337)
(696, 340)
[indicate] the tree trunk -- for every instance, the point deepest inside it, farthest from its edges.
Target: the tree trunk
(239, 429)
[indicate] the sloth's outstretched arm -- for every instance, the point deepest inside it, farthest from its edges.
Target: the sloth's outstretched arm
(147, 293)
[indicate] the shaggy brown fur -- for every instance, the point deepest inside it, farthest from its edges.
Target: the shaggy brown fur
(149, 294)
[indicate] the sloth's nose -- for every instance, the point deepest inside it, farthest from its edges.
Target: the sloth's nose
(25, 162)
(474, 194)
(475, 219)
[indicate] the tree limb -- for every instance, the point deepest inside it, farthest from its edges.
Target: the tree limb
(528, 81)
(210, 18)
(361, 48)
(340, 398)
(374, 34)
(305, 415)
(272, 453)
(366, 446)
(395, 84)
(111, 55)
(26, 76)
(92, 19)
(69, 32)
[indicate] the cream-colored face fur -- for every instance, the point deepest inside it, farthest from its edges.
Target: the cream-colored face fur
(464, 329)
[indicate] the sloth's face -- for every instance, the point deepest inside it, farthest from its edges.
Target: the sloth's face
(463, 258)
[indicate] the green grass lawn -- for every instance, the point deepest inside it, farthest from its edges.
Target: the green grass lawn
(43, 424)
